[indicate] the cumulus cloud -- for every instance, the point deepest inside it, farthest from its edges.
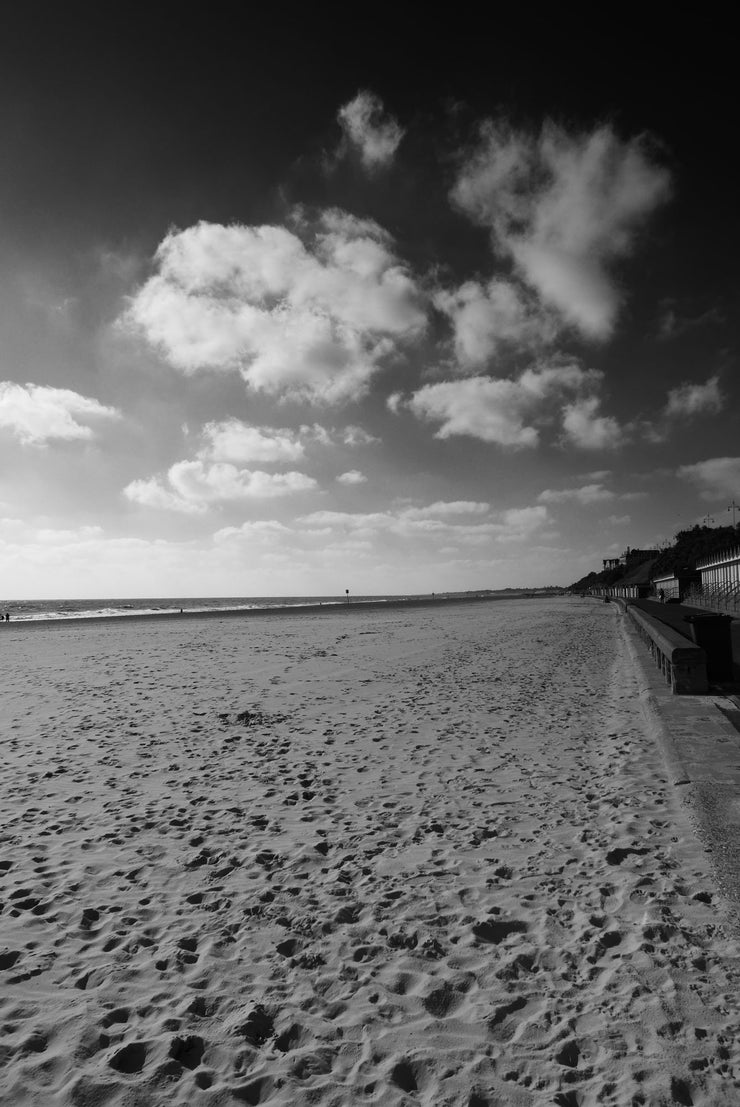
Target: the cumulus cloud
(443, 522)
(217, 473)
(190, 486)
(694, 399)
(36, 414)
(358, 436)
(238, 442)
(486, 318)
(264, 531)
(352, 476)
(585, 495)
(307, 320)
(153, 492)
(563, 207)
(717, 476)
(502, 411)
(242, 443)
(445, 508)
(585, 428)
(369, 130)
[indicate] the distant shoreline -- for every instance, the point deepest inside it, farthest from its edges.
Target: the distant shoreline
(330, 606)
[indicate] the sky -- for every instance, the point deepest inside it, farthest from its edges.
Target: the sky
(292, 303)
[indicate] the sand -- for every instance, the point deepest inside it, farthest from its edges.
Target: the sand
(391, 857)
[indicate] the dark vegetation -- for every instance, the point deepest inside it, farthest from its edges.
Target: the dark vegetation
(689, 546)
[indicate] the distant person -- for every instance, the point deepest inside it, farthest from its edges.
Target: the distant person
(7, 616)
(661, 596)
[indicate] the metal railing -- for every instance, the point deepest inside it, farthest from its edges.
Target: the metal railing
(725, 557)
(723, 596)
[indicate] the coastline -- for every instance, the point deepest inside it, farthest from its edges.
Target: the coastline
(328, 605)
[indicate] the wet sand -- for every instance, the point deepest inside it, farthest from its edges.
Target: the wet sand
(393, 857)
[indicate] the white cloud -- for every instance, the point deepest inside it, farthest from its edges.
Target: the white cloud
(308, 321)
(500, 411)
(585, 495)
(586, 429)
(238, 442)
(351, 435)
(438, 522)
(190, 486)
(524, 520)
(717, 476)
(373, 133)
(694, 399)
(357, 436)
(619, 520)
(352, 476)
(153, 492)
(264, 531)
(445, 508)
(485, 318)
(563, 206)
(217, 472)
(38, 414)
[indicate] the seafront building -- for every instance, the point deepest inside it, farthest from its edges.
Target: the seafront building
(713, 584)
(675, 585)
(629, 559)
(720, 582)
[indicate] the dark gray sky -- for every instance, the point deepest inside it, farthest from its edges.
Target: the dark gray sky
(290, 303)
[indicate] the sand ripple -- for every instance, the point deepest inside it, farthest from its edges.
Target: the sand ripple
(385, 857)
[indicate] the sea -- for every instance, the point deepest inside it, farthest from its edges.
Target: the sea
(46, 610)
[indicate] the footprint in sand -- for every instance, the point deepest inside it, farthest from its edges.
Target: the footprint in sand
(130, 1058)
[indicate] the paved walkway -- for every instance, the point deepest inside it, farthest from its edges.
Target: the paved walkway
(700, 737)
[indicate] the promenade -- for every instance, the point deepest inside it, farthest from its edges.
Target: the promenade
(700, 738)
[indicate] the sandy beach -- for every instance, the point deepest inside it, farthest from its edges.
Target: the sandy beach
(393, 857)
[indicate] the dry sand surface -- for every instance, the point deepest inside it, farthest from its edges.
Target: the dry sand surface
(396, 857)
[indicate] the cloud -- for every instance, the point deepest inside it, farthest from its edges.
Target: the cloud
(153, 492)
(446, 508)
(218, 473)
(500, 411)
(235, 441)
(238, 442)
(694, 399)
(585, 495)
(357, 436)
(619, 520)
(190, 486)
(352, 476)
(367, 128)
(442, 522)
(563, 207)
(306, 320)
(488, 317)
(596, 475)
(672, 325)
(716, 477)
(37, 414)
(585, 428)
(264, 531)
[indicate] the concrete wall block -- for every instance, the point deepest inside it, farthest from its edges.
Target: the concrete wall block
(682, 663)
(689, 678)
